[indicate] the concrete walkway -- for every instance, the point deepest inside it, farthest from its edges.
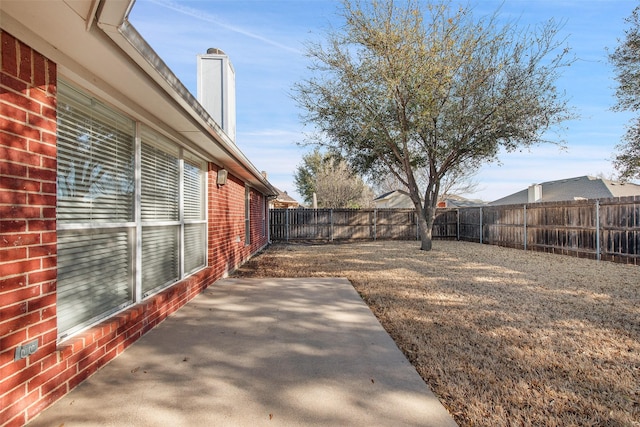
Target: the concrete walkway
(258, 352)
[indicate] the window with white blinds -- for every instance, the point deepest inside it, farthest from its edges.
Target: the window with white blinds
(194, 246)
(95, 210)
(160, 211)
(95, 161)
(195, 229)
(193, 191)
(131, 211)
(94, 275)
(160, 257)
(160, 179)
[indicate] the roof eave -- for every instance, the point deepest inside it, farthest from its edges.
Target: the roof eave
(112, 20)
(94, 44)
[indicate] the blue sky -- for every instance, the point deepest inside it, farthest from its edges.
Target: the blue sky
(265, 42)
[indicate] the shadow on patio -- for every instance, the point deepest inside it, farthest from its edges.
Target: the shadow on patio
(258, 352)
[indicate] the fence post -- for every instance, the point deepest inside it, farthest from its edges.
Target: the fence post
(286, 215)
(598, 229)
(481, 225)
(525, 227)
(415, 215)
(375, 224)
(331, 225)
(458, 224)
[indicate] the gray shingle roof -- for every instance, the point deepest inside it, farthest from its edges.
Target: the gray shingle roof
(284, 197)
(582, 187)
(387, 194)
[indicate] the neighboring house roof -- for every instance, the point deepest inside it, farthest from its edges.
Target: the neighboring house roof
(390, 193)
(283, 200)
(107, 51)
(582, 187)
(401, 199)
(393, 199)
(454, 201)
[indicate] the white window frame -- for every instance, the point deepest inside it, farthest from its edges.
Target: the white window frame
(137, 224)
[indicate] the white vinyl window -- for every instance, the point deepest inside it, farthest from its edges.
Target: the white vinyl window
(160, 212)
(95, 210)
(195, 221)
(130, 211)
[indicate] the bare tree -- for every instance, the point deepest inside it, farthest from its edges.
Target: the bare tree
(333, 182)
(338, 187)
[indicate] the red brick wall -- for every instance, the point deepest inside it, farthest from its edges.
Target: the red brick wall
(259, 215)
(227, 246)
(27, 222)
(28, 249)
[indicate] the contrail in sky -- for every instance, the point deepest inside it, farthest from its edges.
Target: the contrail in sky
(203, 16)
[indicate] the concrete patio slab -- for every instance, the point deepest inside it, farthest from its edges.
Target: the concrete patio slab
(258, 352)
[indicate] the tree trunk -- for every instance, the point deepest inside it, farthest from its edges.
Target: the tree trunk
(425, 226)
(425, 231)
(426, 214)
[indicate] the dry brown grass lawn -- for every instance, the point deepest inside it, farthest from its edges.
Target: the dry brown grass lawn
(504, 337)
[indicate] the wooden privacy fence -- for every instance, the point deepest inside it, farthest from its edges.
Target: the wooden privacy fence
(342, 224)
(606, 229)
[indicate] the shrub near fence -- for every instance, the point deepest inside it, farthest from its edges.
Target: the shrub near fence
(606, 229)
